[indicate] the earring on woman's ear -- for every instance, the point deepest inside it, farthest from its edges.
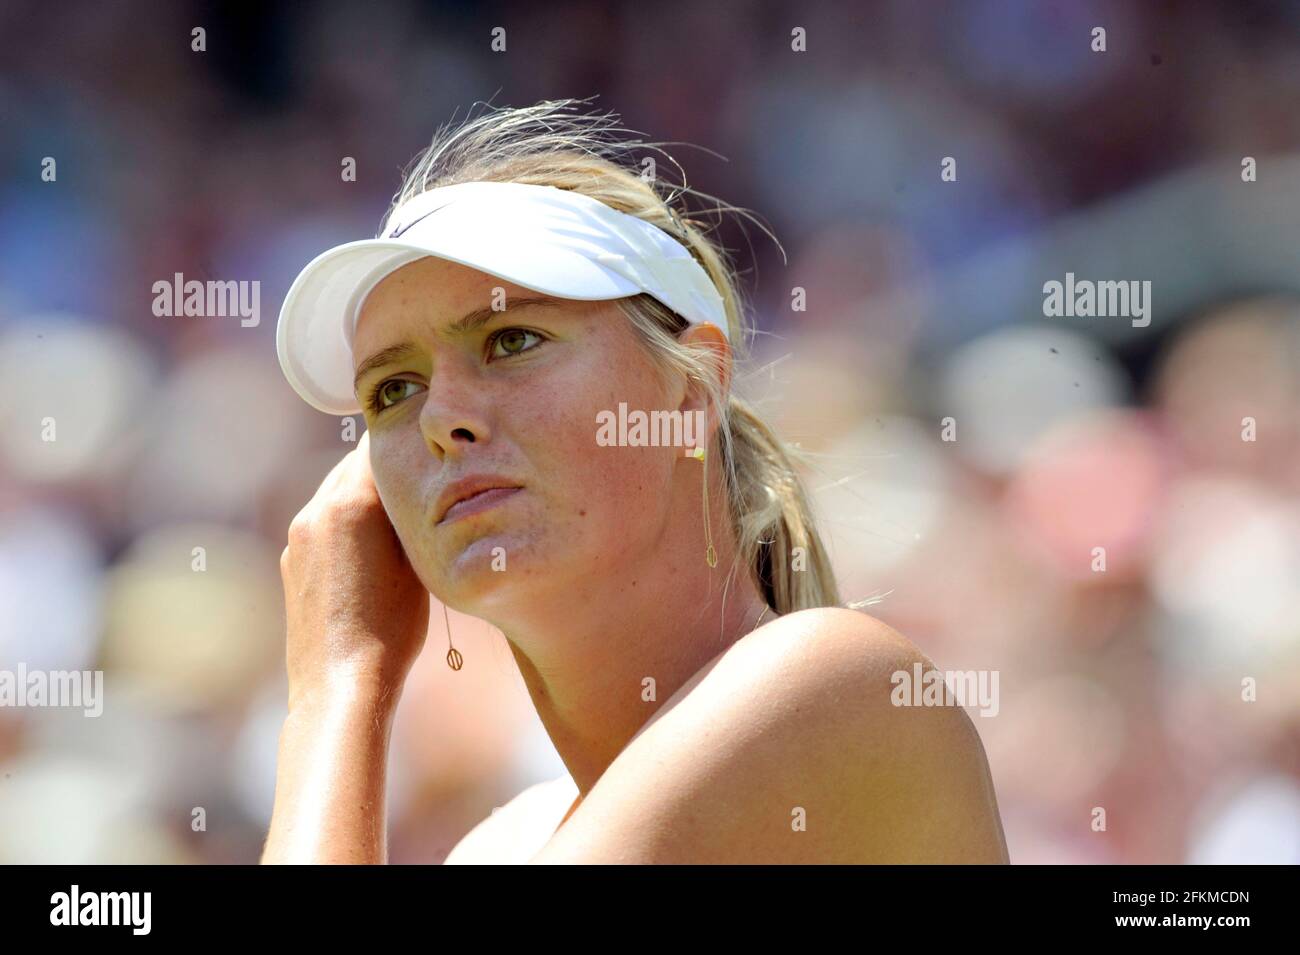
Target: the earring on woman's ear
(454, 658)
(710, 555)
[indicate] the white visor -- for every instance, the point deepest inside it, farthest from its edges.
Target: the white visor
(549, 240)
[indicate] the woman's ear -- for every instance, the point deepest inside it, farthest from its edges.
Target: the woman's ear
(708, 338)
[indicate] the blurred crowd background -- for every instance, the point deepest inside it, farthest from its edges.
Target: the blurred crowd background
(1120, 689)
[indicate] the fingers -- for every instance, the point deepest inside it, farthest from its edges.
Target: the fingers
(349, 488)
(360, 472)
(348, 463)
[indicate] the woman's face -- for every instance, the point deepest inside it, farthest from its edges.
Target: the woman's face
(511, 395)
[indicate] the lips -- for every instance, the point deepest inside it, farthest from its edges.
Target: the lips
(474, 494)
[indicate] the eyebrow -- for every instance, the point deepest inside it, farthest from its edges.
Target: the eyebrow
(462, 326)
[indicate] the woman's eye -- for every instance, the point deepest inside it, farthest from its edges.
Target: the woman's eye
(390, 393)
(512, 341)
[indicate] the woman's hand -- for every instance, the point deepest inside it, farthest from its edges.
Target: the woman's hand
(356, 610)
(357, 618)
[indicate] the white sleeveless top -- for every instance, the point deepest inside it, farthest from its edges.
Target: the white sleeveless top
(517, 831)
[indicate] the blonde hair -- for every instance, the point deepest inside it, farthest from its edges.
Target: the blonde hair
(552, 144)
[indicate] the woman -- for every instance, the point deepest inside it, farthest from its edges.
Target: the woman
(663, 589)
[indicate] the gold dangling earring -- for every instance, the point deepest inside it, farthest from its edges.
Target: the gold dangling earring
(454, 658)
(710, 555)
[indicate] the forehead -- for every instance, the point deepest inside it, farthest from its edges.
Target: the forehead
(432, 293)
(429, 289)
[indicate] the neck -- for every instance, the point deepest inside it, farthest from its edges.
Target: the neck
(588, 658)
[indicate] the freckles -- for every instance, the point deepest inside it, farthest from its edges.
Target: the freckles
(547, 414)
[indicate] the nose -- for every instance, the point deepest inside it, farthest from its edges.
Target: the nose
(455, 411)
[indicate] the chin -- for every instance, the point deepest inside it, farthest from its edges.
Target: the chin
(493, 570)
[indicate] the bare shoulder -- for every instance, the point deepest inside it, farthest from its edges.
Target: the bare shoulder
(829, 641)
(513, 833)
(789, 747)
